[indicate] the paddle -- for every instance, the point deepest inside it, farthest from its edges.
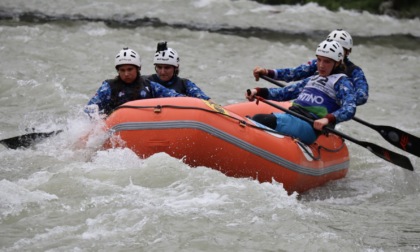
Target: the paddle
(396, 137)
(27, 140)
(383, 153)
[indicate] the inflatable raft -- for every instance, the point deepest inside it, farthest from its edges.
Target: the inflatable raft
(202, 133)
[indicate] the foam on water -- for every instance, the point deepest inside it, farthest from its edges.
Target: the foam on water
(118, 194)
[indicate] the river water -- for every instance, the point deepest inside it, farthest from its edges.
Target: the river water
(55, 197)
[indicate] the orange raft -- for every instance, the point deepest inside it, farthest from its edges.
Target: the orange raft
(223, 138)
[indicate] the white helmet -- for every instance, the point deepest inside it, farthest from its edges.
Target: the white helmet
(342, 37)
(330, 49)
(166, 56)
(127, 57)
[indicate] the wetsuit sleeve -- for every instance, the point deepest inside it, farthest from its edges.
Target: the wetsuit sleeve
(161, 91)
(294, 74)
(193, 90)
(345, 95)
(102, 98)
(361, 86)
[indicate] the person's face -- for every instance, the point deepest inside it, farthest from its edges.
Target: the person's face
(127, 73)
(165, 72)
(325, 65)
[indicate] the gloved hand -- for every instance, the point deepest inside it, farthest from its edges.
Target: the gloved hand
(91, 109)
(259, 71)
(250, 94)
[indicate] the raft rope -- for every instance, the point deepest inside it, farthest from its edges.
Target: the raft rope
(241, 122)
(159, 107)
(320, 147)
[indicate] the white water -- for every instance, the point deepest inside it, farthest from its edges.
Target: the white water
(55, 197)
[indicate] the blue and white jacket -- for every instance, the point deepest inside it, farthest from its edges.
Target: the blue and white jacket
(343, 91)
(181, 85)
(354, 72)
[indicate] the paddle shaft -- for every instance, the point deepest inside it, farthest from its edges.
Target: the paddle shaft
(394, 136)
(379, 151)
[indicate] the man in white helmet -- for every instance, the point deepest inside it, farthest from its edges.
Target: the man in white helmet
(355, 73)
(327, 98)
(126, 86)
(166, 61)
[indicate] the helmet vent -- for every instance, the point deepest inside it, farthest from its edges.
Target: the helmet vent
(342, 37)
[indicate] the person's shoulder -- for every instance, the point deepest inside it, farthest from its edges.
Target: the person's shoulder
(152, 83)
(155, 85)
(107, 82)
(183, 79)
(343, 79)
(310, 66)
(350, 63)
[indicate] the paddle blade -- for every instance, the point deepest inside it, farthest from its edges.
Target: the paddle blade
(381, 152)
(26, 140)
(388, 155)
(400, 139)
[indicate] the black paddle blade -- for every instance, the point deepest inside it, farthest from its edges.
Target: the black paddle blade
(388, 155)
(400, 139)
(396, 137)
(379, 151)
(26, 140)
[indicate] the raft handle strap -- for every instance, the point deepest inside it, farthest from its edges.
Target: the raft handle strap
(157, 109)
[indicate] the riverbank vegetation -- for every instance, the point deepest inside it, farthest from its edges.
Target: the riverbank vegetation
(395, 8)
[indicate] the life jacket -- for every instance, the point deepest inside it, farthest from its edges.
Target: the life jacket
(318, 97)
(122, 92)
(176, 83)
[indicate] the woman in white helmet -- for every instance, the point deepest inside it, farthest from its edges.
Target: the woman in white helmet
(166, 61)
(327, 98)
(355, 73)
(126, 86)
